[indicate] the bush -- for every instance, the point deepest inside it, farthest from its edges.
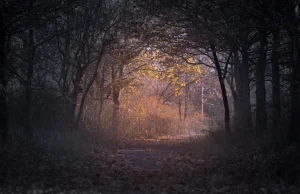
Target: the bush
(60, 143)
(143, 116)
(49, 112)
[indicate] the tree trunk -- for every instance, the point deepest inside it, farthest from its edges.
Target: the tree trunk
(72, 107)
(186, 98)
(276, 112)
(87, 89)
(179, 108)
(260, 68)
(74, 95)
(3, 83)
(116, 110)
(295, 88)
(243, 110)
(116, 76)
(66, 61)
(101, 88)
(224, 92)
(99, 123)
(230, 80)
(30, 67)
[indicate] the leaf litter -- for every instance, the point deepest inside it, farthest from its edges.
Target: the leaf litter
(154, 167)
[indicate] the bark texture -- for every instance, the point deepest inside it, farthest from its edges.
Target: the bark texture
(276, 112)
(243, 112)
(260, 67)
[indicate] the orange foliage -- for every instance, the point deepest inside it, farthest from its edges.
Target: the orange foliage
(146, 116)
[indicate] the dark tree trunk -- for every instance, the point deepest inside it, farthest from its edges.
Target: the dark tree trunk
(243, 111)
(74, 95)
(276, 112)
(260, 67)
(116, 76)
(30, 67)
(223, 89)
(99, 123)
(70, 96)
(66, 62)
(90, 83)
(295, 88)
(101, 101)
(232, 84)
(246, 89)
(230, 81)
(116, 110)
(3, 83)
(72, 108)
(87, 89)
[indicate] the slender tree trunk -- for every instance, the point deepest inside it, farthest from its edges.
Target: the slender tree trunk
(3, 83)
(239, 121)
(90, 83)
(72, 106)
(101, 88)
(64, 72)
(233, 85)
(224, 92)
(87, 89)
(276, 112)
(186, 98)
(179, 108)
(243, 110)
(116, 111)
(84, 95)
(230, 82)
(295, 88)
(246, 82)
(116, 76)
(74, 96)
(99, 124)
(260, 68)
(30, 67)
(66, 62)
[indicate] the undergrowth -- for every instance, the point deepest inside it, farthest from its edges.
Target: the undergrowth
(249, 155)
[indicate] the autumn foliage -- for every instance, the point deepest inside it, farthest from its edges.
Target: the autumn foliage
(147, 117)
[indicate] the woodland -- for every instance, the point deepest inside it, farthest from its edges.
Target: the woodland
(150, 96)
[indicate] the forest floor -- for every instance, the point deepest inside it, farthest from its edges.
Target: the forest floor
(164, 166)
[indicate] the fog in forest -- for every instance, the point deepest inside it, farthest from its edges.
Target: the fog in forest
(149, 96)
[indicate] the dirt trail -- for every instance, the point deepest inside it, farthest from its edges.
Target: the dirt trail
(150, 156)
(155, 166)
(147, 160)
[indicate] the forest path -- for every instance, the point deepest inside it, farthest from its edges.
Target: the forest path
(143, 166)
(144, 159)
(150, 155)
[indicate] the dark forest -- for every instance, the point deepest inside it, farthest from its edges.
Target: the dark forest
(150, 96)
